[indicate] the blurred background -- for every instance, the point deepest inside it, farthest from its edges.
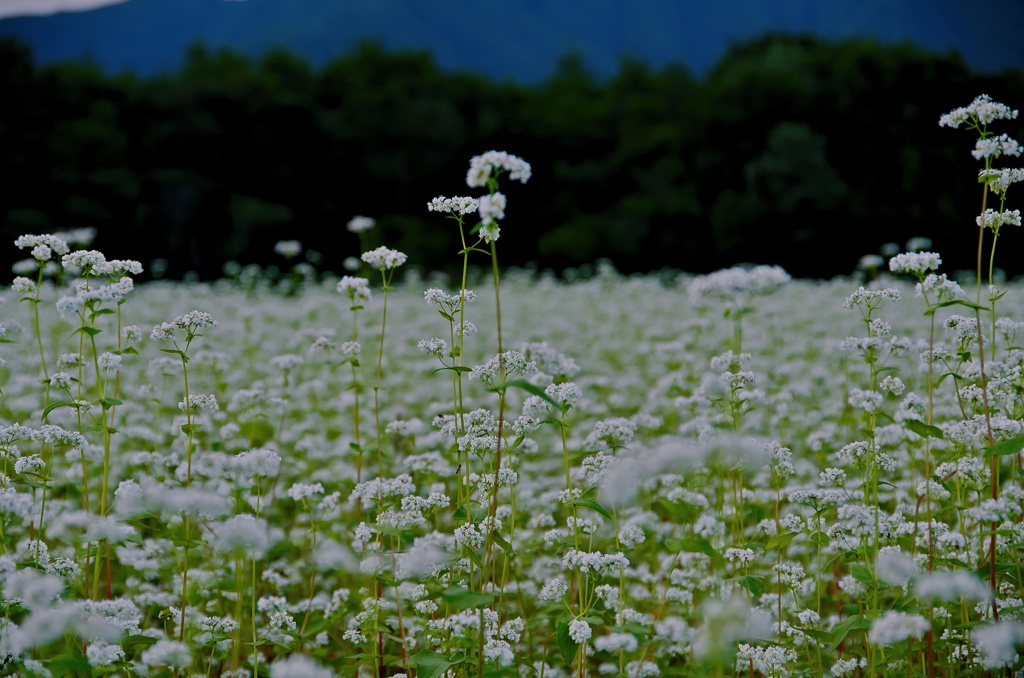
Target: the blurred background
(664, 133)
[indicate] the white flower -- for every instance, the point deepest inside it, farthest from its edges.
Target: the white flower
(383, 258)
(456, 205)
(579, 631)
(914, 262)
(358, 224)
(481, 167)
(897, 627)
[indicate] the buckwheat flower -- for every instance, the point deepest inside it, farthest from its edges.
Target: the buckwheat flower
(56, 244)
(997, 643)
(300, 491)
(244, 534)
(994, 147)
(109, 362)
(358, 224)
(995, 220)
(869, 401)
(952, 586)
(492, 208)
(554, 589)
(948, 290)
(384, 259)
(288, 248)
(893, 385)
(41, 253)
(481, 167)
(131, 334)
(579, 631)
(871, 298)
(895, 567)
(982, 110)
(915, 262)
(458, 205)
(566, 393)
(349, 350)
(999, 180)
(897, 627)
(31, 463)
(103, 654)
(199, 402)
(89, 261)
(512, 362)
(60, 381)
(298, 666)
(23, 285)
(435, 347)
(167, 653)
(499, 651)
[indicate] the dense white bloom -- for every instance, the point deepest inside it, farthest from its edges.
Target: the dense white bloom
(358, 224)
(997, 643)
(999, 180)
(288, 248)
(481, 168)
(579, 630)
(383, 258)
(982, 110)
(457, 205)
(952, 586)
(357, 289)
(168, 653)
(995, 220)
(915, 262)
(731, 284)
(897, 627)
(993, 147)
(492, 208)
(298, 666)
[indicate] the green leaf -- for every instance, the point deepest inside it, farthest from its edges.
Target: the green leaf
(76, 665)
(780, 541)
(430, 664)
(130, 349)
(503, 543)
(91, 331)
(751, 583)
(924, 430)
(460, 599)
(52, 406)
(176, 352)
(862, 573)
(453, 368)
(958, 302)
(592, 504)
(526, 386)
(843, 629)
(566, 645)
(133, 643)
(1008, 446)
(109, 402)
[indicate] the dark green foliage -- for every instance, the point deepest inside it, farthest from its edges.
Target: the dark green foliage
(787, 142)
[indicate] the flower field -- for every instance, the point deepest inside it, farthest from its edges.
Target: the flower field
(507, 474)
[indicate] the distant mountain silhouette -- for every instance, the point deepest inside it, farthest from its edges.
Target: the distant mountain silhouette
(518, 39)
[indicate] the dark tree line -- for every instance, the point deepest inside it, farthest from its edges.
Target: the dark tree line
(787, 146)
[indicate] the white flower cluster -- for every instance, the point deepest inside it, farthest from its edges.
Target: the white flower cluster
(42, 245)
(481, 167)
(462, 204)
(897, 627)
(947, 289)
(198, 402)
(731, 284)
(595, 561)
(982, 110)
(914, 262)
(510, 362)
(993, 147)
(994, 220)
(871, 298)
(92, 262)
(358, 224)
(357, 289)
(189, 322)
(1002, 178)
(288, 248)
(384, 259)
